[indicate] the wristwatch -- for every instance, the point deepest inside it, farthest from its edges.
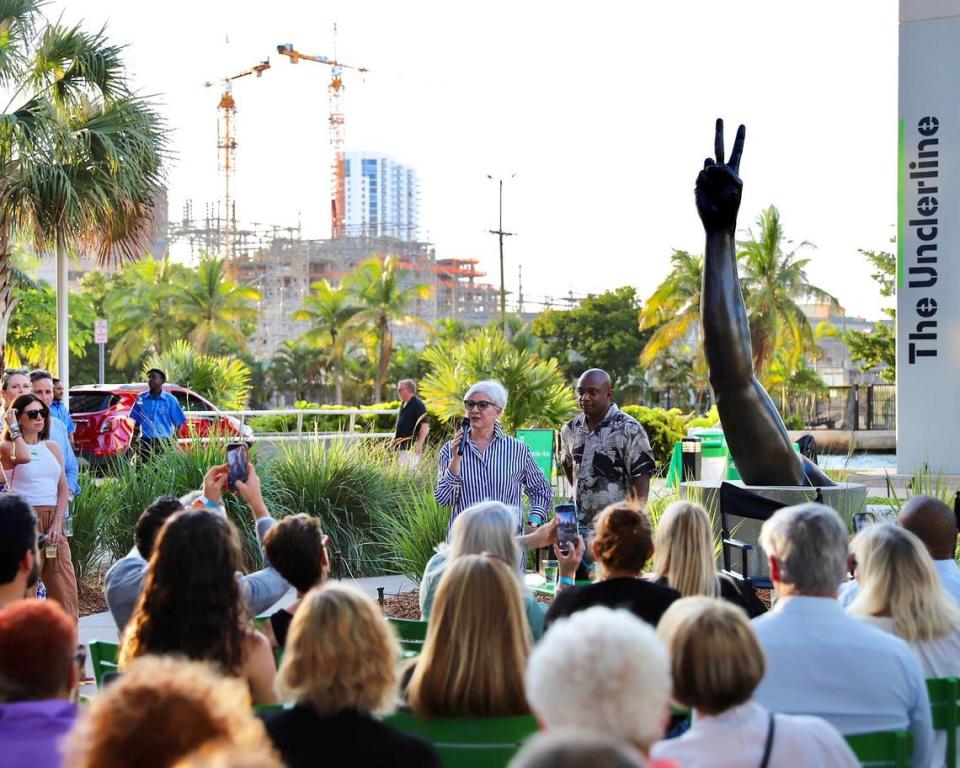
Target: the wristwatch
(14, 433)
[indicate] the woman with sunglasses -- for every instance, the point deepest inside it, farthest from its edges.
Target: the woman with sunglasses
(482, 463)
(33, 466)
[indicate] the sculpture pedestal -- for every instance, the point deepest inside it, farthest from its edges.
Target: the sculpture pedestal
(846, 498)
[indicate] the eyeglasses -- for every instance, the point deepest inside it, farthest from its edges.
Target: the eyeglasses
(481, 405)
(37, 414)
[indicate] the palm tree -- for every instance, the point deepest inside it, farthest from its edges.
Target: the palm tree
(298, 368)
(773, 281)
(80, 154)
(383, 301)
(131, 304)
(673, 310)
(215, 306)
(328, 310)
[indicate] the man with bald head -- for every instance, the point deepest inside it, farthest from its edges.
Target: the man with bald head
(934, 523)
(605, 453)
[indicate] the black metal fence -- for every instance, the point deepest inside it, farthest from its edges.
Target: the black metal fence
(855, 407)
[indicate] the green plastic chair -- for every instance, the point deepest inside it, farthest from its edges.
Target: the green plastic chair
(944, 693)
(470, 742)
(103, 657)
(883, 749)
(411, 632)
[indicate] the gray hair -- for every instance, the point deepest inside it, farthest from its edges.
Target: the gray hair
(485, 527)
(810, 543)
(492, 389)
(407, 384)
(620, 688)
(572, 748)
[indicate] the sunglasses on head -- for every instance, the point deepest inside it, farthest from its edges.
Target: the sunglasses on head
(480, 405)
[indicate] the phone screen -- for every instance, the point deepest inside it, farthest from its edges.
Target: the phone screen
(236, 463)
(567, 528)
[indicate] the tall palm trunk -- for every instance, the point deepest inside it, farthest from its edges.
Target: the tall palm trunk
(8, 301)
(63, 315)
(386, 348)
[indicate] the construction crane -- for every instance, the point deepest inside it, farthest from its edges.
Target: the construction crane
(227, 147)
(338, 191)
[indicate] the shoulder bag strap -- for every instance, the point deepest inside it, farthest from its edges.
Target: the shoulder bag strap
(768, 747)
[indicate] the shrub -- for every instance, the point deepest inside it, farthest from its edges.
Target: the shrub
(539, 394)
(663, 428)
(224, 381)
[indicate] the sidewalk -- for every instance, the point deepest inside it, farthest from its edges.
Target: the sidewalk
(100, 626)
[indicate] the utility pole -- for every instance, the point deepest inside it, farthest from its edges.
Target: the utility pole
(501, 234)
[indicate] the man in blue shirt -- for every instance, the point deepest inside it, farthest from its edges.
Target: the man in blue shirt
(157, 414)
(60, 409)
(822, 662)
(41, 384)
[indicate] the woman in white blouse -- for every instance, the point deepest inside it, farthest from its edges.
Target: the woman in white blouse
(900, 591)
(716, 663)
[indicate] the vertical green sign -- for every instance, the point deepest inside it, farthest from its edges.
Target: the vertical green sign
(540, 443)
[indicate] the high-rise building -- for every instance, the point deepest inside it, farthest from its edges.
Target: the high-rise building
(383, 197)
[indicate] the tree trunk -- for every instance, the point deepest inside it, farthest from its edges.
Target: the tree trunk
(63, 316)
(7, 300)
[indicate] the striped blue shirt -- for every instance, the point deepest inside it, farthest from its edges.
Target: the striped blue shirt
(498, 473)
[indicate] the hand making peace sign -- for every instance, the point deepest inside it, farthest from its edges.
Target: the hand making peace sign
(719, 186)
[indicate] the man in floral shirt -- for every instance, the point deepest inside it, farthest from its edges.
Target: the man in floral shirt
(605, 453)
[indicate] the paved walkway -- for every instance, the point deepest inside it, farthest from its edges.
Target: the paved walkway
(100, 626)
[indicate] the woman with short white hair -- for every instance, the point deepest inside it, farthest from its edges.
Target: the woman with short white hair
(900, 592)
(482, 463)
(484, 528)
(604, 670)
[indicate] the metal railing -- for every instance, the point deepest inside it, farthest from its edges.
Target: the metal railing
(350, 433)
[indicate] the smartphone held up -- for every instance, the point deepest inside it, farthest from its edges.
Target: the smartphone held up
(236, 464)
(568, 530)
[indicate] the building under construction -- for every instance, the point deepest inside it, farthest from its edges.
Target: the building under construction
(282, 266)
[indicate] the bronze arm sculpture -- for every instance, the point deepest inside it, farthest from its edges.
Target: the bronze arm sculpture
(754, 431)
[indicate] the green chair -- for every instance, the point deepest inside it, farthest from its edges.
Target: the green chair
(411, 633)
(103, 657)
(944, 693)
(883, 749)
(470, 742)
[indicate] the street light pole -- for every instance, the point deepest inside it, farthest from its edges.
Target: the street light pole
(500, 235)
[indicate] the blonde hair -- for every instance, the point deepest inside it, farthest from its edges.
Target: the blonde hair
(193, 704)
(683, 550)
(477, 644)
(897, 578)
(340, 653)
(715, 658)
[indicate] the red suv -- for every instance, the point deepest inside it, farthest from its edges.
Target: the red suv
(104, 427)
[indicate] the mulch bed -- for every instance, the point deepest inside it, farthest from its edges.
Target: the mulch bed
(91, 596)
(405, 605)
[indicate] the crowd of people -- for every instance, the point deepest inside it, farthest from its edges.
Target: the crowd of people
(660, 661)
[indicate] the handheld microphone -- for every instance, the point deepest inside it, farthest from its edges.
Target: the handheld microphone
(465, 426)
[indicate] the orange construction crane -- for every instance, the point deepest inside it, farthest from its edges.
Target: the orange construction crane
(227, 148)
(338, 192)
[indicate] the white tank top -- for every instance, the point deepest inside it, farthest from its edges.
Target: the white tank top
(37, 481)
